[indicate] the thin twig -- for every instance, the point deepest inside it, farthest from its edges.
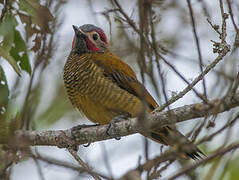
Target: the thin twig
(232, 17)
(198, 45)
(157, 173)
(154, 46)
(224, 24)
(235, 86)
(25, 105)
(208, 138)
(198, 130)
(198, 78)
(66, 165)
(183, 78)
(83, 164)
(4, 10)
(39, 169)
(215, 27)
(220, 152)
(192, 60)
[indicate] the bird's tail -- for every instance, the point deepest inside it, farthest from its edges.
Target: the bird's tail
(172, 137)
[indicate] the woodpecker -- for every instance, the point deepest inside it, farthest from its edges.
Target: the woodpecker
(103, 87)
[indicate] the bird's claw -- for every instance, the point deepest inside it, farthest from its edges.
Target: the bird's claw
(66, 142)
(75, 129)
(87, 145)
(111, 130)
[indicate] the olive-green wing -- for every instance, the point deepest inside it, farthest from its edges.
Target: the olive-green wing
(122, 74)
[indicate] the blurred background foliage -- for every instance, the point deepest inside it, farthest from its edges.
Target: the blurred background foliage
(35, 39)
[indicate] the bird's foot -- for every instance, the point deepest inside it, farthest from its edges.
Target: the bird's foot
(75, 130)
(65, 141)
(111, 130)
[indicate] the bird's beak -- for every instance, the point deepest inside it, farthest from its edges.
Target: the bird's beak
(78, 31)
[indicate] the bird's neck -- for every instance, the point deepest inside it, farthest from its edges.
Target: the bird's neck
(78, 51)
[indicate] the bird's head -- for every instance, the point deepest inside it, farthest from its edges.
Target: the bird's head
(89, 38)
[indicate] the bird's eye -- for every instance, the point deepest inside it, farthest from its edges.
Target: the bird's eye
(95, 36)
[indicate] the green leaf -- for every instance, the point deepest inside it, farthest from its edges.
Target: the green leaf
(57, 108)
(19, 52)
(233, 169)
(10, 59)
(7, 28)
(3, 105)
(7, 31)
(7, 125)
(25, 6)
(3, 91)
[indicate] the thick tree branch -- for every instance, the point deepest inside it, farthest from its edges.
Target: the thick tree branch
(64, 138)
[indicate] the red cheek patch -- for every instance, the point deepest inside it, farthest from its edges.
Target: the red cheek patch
(91, 45)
